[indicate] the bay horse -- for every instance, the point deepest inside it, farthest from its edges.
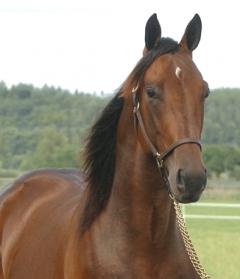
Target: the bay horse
(116, 219)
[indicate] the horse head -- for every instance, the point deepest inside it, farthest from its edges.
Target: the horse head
(169, 95)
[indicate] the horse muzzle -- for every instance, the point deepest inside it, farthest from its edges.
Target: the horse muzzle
(189, 184)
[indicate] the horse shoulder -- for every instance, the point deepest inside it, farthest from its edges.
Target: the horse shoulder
(37, 212)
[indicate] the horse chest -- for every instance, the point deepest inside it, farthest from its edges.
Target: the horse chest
(119, 265)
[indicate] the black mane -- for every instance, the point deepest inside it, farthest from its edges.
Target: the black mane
(100, 153)
(100, 160)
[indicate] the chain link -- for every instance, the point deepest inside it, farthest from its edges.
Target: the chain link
(188, 243)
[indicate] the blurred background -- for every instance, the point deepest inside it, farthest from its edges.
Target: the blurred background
(60, 63)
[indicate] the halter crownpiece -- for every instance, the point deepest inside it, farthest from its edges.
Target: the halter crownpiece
(135, 89)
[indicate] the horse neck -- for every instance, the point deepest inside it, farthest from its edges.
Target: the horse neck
(139, 196)
(141, 213)
(137, 230)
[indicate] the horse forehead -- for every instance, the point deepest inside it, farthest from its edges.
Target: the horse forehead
(161, 66)
(172, 63)
(184, 64)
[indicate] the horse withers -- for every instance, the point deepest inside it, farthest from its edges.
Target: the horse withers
(116, 219)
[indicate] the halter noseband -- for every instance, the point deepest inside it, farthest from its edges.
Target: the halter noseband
(157, 155)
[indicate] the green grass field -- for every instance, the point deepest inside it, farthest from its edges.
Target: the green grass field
(217, 242)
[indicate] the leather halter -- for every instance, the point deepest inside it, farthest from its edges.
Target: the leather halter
(157, 155)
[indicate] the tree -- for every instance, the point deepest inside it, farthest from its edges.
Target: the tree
(47, 126)
(53, 150)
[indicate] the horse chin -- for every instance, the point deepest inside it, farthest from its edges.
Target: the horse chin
(187, 197)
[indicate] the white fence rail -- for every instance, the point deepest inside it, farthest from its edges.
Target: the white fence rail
(212, 217)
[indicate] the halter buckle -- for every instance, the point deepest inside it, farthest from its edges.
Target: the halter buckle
(136, 107)
(135, 89)
(158, 160)
(135, 99)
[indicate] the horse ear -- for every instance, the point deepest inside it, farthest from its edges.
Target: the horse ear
(152, 33)
(192, 35)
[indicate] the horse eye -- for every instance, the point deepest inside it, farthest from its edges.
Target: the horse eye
(151, 92)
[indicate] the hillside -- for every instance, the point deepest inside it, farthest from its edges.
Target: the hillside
(47, 126)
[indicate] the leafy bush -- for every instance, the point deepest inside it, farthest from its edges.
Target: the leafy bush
(222, 158)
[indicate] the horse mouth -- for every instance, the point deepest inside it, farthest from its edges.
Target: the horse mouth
(188, 197)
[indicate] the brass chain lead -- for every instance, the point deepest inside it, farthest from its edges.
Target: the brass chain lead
(188, 242)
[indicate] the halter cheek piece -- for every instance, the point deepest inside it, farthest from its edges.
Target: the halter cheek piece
(160, 157)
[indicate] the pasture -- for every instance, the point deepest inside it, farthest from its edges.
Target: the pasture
(217, 241)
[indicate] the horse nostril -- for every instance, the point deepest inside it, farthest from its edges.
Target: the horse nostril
(205, 171)
(180, 181)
